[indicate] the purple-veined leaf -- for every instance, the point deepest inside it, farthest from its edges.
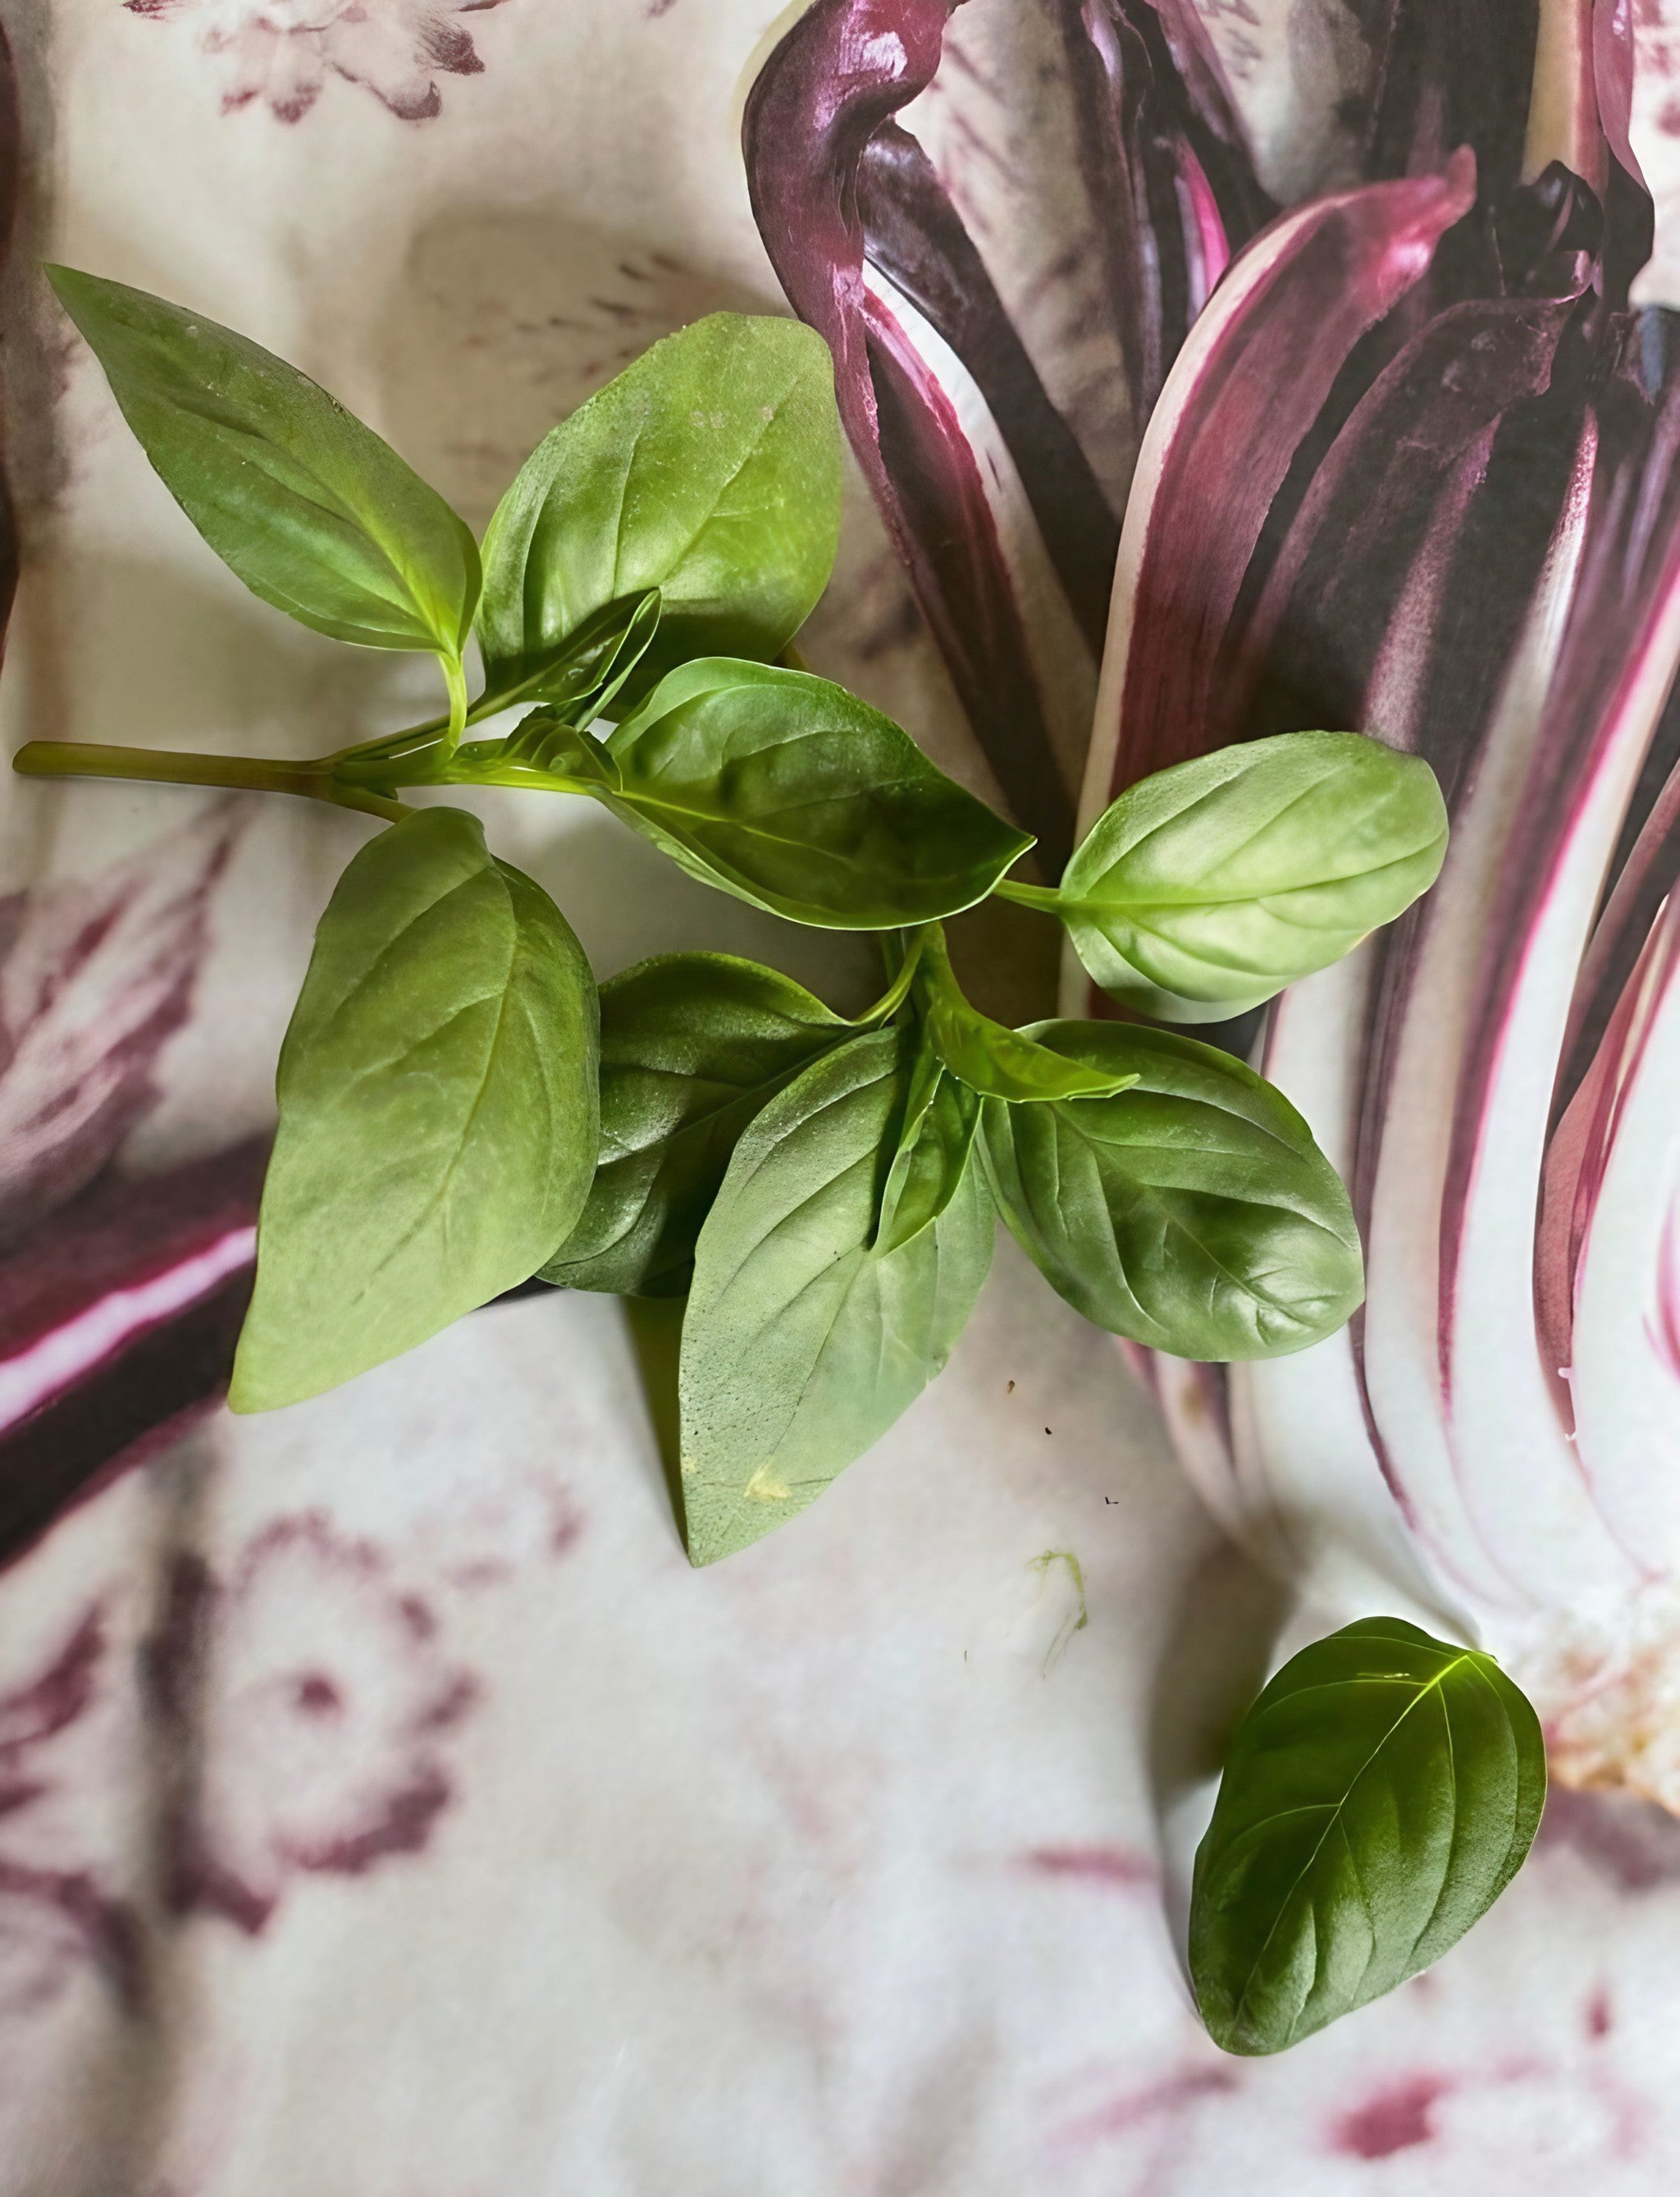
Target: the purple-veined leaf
(1446, 75)
(96, 976)
(915, 236)
(1617, 662)
(1313, 1476)
(1612, 60)
(1165, 155)
(1624, 1363)
(839, 78)
(1258, 365)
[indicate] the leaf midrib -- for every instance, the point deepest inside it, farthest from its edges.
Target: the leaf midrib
(1284, 1905)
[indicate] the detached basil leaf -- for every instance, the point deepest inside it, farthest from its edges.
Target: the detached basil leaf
(791, 793)
(439, 1117)
(1206, 888)
(805, 1338)
(315, 513)
(1193, 1213)
(934, 1142)
(709, 469)
(692, 1045)
(1379, 1796)
(997, 1062)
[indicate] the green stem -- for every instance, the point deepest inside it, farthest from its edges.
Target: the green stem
(454, 675)
(246, 773)
(1044, 898)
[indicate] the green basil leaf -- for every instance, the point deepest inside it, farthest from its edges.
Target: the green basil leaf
(693, 1047)
(992, 1059)
(439, 1117)
(314, 511)
(588, 671)
(935, 1143)
(1379, 1797)
(789, 793)
(545, 745)
(1193, 1212)
(804, 1338)
(709, 469)
(1206, 889)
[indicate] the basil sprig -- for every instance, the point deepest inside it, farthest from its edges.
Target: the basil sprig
(460, 1111)
(1378, 1798)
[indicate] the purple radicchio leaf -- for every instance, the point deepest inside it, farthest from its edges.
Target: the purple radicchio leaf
(1165, 155)
(914, 235)
(1623, 1368)
(117, 1322)
(1447, 73)
(1259, 365)
(96, 976)
(1612, 73)
(836, 81)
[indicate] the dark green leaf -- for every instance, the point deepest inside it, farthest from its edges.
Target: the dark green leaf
(1208, 887)
(1379, 1796)
(438, 1118)
(710, 469)
(315, 514)
(1193, 1212)
(992, 1059)
(692, 1045)
(805, 1337)
(791, 793)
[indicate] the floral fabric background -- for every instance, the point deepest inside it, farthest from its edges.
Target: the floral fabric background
(385, 1809)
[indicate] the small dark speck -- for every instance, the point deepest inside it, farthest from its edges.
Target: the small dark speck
(1009, 1387)
(1047, 1429)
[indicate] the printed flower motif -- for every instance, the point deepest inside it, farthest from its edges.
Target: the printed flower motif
(315, 1695)
(281, 50)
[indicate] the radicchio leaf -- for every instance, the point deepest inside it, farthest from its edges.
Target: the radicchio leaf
(1258, 365)
(838, 77)
(1164, 156)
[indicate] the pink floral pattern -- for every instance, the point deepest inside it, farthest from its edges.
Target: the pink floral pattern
(314, 1695)
(282, 51)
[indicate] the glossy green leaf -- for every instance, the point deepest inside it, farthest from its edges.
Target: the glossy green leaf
(935, 1142)
(804, 1338)
(1206, 889)
(1379, 1796)
(791, 793)
(992, 1059)
(693, 1047)
(314, 511)
(709, 469)
(586, 674)
(1193, 1212)
(439, 1117)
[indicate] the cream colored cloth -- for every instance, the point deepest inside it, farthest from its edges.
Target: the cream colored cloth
(385, 1809)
